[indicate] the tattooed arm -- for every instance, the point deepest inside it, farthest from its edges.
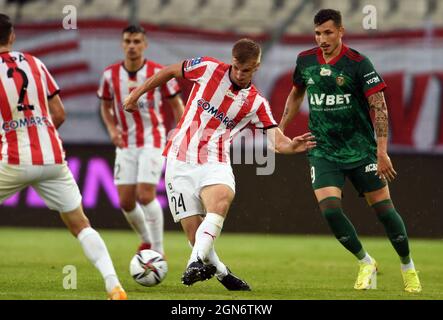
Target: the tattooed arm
(377, 103)
(293, 104)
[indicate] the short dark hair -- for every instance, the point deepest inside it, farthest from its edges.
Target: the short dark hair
(328, 14)
(134, 29)
(5, 29)
(245, 50)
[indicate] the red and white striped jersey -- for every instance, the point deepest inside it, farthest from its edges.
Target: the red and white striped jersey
(27, 134)
(216, 110)
(144, 127)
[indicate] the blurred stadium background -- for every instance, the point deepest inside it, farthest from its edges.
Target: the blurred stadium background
(406, 47)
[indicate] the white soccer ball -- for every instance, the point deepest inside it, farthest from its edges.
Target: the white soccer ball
(148, 268)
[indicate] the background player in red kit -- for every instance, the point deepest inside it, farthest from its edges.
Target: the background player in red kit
(32, 152)
(199, 178)
(139, 137)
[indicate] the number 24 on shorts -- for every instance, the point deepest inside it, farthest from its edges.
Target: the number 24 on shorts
(178, 203)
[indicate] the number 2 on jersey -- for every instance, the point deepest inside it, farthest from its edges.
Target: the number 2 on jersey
(25, 83)
(180, 203)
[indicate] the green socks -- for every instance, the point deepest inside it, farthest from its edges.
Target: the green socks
(345, 232)
(340, 225)
(395, 228)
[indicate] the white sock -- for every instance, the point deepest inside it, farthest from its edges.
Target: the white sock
(96, 251)
(367, 259)
(213, 259)
(409, 266)
(154, 222)
(136, 219)
(205, 236)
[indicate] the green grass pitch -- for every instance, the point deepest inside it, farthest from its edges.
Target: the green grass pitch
(282, 267)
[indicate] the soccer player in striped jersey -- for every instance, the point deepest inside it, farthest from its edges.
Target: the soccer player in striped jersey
(199, 177)
(139, 137)
(31, 152)
(343, 88)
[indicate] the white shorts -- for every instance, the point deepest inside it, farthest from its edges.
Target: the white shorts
(54, 183)
(184, 182)
(138, 165)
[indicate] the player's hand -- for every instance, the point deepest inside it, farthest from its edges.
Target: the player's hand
(304, 142)
(117, 138)
(130, 103)
(385, 169)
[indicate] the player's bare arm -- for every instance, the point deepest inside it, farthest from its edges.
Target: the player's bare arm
(283, 144)
(377, 103)
(177, 106)
(57, 110)
(158, 79)
(107, 116)
(292, 107)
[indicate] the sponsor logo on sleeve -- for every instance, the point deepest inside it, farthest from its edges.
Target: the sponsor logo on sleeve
(373, 80)
(192, 62)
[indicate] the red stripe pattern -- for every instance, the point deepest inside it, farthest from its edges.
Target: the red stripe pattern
(27, 134)
(191, 98)
(36, 153)
(11, 144)
(375, 89)
(137, 118)
(321, 59)
(207, 95)
(118, 109)
(214, 113)
(308, 52)
(53, 135)
(143, 128)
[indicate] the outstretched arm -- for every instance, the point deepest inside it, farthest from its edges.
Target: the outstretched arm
(282, 144)
(158, 79)
(385, 169)
(292, 107)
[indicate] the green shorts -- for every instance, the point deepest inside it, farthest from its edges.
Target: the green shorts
(362, 174)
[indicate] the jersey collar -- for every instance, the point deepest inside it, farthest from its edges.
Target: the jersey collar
(321, 60)
(234, 85)
(133, 73)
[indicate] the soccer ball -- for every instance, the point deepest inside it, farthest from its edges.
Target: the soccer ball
(148, 268)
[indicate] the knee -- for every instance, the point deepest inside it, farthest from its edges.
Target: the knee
(127, 201)
(127, 205)
(221, 204)
(330, 207)
(383, 207)
(145, 199)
